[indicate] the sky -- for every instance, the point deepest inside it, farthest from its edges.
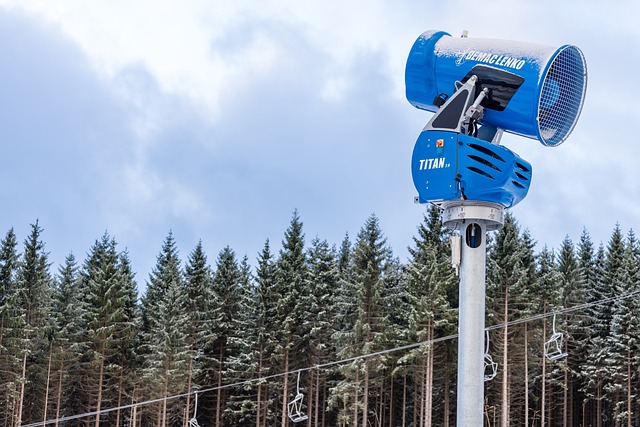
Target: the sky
(216, 120)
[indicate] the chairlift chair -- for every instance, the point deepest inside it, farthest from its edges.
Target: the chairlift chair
(553, 348)
(490, 367)
(295, 406)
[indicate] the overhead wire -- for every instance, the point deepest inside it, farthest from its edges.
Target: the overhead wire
(325, 365)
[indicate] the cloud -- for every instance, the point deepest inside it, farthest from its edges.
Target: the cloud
(192, 50)
(218, 119)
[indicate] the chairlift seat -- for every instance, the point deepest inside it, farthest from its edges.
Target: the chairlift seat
(295, 409)
(553, 347)
(490, 368)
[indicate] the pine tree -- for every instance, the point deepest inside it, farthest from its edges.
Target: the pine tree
(69, 316)
(524, 349)
(108, 298)
(614, 280)
(242, 366)
(164, 327)
(166, 270)
(548, 293)
(344, 255)
(227, 294)
(372, 258)
(588, 276)
(167, 365)
(322, 286)
(599, 324)
(9, 260)
(573, 294)
(198, 282)
(126, 367)
(622, 275)
(290, 352)
(11, 329)
(34, 284)
(265, 333)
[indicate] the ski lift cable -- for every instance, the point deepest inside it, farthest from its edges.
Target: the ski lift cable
(337, 362)
(565, 310)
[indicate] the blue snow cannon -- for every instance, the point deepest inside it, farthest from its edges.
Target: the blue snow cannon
(478, 89)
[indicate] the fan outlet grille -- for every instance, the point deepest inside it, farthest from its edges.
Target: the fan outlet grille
(562, 96)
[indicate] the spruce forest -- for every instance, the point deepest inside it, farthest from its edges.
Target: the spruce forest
(345, 334)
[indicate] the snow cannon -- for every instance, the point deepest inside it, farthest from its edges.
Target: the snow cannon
(478, 89)
(532, 90)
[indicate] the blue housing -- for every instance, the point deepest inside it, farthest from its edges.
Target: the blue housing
(451, 166)
(543, 88)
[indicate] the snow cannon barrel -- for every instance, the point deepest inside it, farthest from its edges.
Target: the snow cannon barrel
(534, 91)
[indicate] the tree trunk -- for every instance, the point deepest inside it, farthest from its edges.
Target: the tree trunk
(429, 384)
(571, 400)
(46, 392)
(391, 404)
(365, 404)
(59, 393)
(355, 399)
(526, 375)
(505, 362)
(380, 406)
(187, 410)
(317, 399)
(134, 409)
(310, 393)
(404, 399)
(343, 422)
(285, 391)
(165, 393)
(219, 399)
(629, 406)
(259, 398)
(265, 414)
(599, 403)
(100, 375)
(543, 397)
(22, 382)
(119, 398)
(565, 397)
(423, 397)
(447, 380)
(416, 395)
(159, 415)
(324, 404)
(134, 415)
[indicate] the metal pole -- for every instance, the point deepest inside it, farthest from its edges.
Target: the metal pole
(473, 220)
(471, 325)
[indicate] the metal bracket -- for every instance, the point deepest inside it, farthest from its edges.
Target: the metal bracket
(452, 116)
